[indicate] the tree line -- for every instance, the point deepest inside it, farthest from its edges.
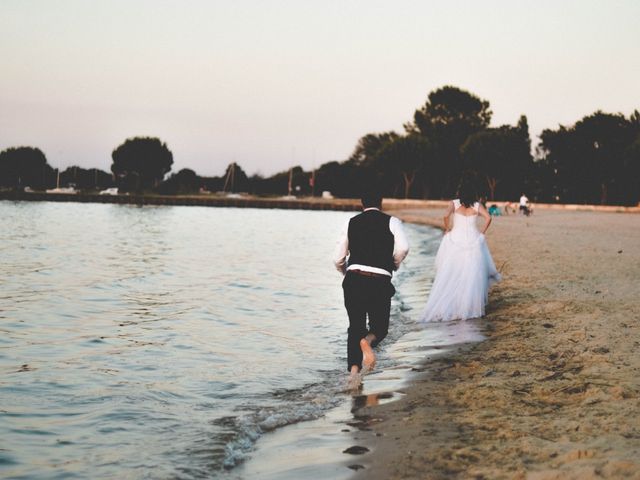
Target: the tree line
(596, 160)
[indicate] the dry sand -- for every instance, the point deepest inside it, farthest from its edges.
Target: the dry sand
(554, 392)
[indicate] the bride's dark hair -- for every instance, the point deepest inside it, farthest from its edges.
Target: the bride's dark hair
(467, 192)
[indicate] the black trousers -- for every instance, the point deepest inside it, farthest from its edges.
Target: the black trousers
(364, 297)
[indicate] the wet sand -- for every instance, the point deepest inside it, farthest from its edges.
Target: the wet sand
(554, 392)
(334, 445)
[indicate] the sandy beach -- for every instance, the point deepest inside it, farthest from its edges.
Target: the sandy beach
(554, 392)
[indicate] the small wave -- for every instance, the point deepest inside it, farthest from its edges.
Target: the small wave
(294, 406)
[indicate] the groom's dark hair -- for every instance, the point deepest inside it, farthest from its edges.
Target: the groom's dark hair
(371, 196)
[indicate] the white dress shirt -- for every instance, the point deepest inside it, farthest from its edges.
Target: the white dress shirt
(400, 248)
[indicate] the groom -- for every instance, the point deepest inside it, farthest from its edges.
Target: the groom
(371, 247)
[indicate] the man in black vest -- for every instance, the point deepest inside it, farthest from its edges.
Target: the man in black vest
(371, 247)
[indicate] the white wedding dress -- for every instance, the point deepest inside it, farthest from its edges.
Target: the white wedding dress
(464, 272)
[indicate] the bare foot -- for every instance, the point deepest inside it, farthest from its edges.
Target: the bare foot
(355, 382)
(368, 357)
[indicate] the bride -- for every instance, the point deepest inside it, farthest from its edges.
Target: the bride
(464, 267)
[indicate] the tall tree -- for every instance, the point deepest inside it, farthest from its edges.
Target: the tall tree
(24, 167)
(343, 179)
(369, 145)
(500, 156)
(591, 158)
(405, 157)
(631, 180)
(183, 182)
(86, 179)
(447, 119)
(141, 162)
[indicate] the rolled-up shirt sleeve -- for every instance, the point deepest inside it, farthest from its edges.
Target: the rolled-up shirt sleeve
(342, 250)
(401, 244)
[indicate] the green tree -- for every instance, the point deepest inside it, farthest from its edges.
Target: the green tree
(602, 140)
(405, 157)
(500, 156)
(141, 162)
(556, 153)
(447, 119)
(343, 179)
(592, 159)
(25, 167)
(184, 182)
(369, 145)
(631, 178)
(86, 179)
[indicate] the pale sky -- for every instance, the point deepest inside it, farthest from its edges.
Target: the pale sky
(273, 84)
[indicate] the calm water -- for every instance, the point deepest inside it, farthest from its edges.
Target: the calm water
(161, 342)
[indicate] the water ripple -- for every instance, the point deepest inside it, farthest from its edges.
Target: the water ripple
(179, 329)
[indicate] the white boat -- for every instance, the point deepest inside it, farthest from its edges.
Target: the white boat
(62, 190)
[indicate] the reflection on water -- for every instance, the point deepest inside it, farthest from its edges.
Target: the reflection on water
(372, 400)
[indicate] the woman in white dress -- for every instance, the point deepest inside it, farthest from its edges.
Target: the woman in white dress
(464, 267)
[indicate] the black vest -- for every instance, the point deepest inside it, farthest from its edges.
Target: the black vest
(370, 240)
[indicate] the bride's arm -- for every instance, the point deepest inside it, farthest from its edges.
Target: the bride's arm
(447, 216)
(487, 218)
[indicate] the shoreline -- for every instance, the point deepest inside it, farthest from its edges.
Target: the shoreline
(413, 210)
(337, 444)
(554, 390)
(190, 200)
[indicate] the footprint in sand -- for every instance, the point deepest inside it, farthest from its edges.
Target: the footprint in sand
(356, 450)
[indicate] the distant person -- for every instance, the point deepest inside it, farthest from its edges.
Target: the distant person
(529, 209)
(494, 210)
(524, 204)
(464, 267)
(372, 245)
(509, 208)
